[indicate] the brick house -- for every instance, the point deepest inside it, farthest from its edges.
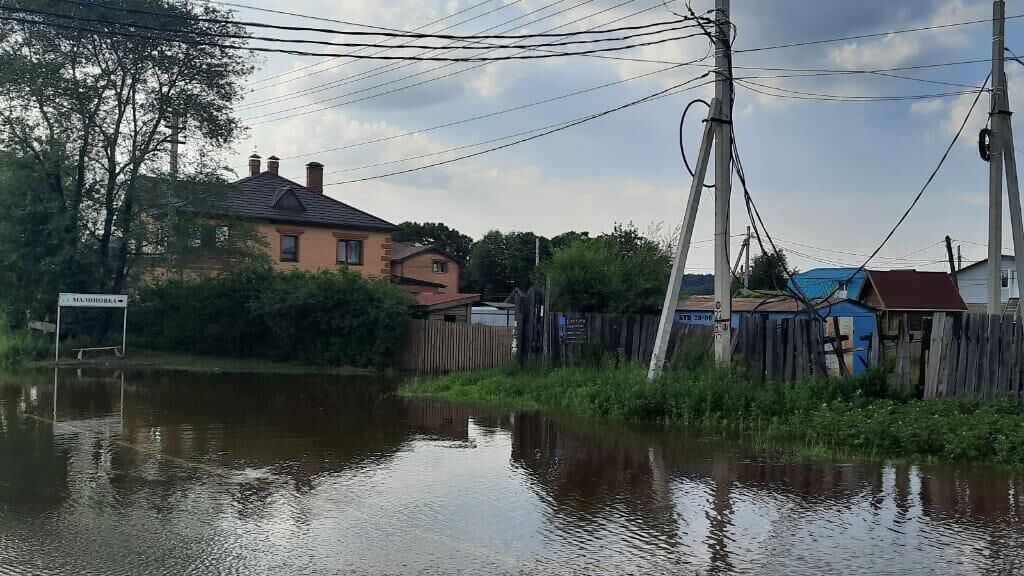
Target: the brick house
(307, 230)
(421, 269)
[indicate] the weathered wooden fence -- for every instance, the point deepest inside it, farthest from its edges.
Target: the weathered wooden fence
(567, 338)
(974, 355)
(435, 347)
(791, 348)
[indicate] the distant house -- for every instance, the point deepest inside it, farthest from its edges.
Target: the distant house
(973, 284)
(303, 228)
(918, 295)
(827, 282)
(856, 319)
(420, 269)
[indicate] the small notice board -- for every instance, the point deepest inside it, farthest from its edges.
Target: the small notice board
(72, 300)
(573, 329)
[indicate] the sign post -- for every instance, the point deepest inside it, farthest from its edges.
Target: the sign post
(72, 300)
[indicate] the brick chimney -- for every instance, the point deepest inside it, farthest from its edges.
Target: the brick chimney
(315, 177)
(254, 165)
(272, 164)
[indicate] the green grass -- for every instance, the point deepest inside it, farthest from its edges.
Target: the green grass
(148, 360)
(836, 416)
(19, 348)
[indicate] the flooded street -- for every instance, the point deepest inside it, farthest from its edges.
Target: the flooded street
(214, 474)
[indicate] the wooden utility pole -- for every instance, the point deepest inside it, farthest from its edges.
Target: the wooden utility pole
(723, 184)
(959, 258)
(995, 162)
(952, 268)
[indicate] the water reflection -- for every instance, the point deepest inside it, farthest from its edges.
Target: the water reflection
(220, 474)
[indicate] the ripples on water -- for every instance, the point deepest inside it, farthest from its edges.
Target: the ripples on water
(188, 474)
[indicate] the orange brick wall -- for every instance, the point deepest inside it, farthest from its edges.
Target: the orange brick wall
(318, 248)
(421, 267)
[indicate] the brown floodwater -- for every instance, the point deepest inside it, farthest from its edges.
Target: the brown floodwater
(173, 473)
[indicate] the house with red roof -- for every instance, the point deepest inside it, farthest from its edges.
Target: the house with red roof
(911, 293)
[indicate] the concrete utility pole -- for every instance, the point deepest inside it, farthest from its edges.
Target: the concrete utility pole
(1001, 158)
(718, 127)
(536, 251)
(995, 163)
(175, 141)
(723, 184)
(746, 265)
(952, 268)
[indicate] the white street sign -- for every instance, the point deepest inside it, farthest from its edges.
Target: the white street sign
(93, 300)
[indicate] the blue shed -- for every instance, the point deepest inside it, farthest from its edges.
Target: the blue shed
(856, 320)
(827, 282)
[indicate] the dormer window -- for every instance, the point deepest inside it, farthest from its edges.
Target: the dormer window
(286, 199)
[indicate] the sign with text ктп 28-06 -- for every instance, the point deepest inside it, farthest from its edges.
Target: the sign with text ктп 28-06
(93, 300)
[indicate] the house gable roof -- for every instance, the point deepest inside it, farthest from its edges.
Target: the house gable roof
(1006, 258)
(823, 282)
(260, 197)
(438, 301)
(912, 290)
(405, 250)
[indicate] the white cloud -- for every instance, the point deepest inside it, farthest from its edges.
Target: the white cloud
(890, 51)
(927, 106)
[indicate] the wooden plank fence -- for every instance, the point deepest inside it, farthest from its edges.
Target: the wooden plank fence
(435, 347)
(787, 349)
(624, 337)
(974, 355)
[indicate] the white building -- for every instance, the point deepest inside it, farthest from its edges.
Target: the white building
(973, 283)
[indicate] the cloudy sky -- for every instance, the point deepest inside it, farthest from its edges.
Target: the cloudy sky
(830, 177)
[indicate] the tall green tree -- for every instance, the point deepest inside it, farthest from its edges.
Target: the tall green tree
(499, 263)
(620, 272)
(435, 233)
(768, 271)
(84, 113)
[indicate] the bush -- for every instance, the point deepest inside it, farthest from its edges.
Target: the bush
(16, 348)
(327, 317)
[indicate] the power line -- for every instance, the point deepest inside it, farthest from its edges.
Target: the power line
(460, 71)
(657, 95)
(190, 42)
(385, 32)
(315, 64)
(871, 35)
(801, 95)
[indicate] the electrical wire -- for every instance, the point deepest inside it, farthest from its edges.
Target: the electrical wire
(655, 96)
(682, 147)
(439, 20)
(380, 31)
(817, 96)
(190, 42)
(460, 71)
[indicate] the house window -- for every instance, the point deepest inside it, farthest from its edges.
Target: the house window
(450, 318)
(220, 235)
(195, 237)
(350, 252)
(289, 248)
(1004, 278)
(440, 266)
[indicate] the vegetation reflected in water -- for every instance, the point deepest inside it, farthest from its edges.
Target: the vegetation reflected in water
(221, 474)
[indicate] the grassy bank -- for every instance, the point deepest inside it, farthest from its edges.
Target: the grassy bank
(146, 360)
(854, 415)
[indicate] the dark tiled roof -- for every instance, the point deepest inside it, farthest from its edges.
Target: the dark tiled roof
(913, 290)
(407, 281)
(258, 195)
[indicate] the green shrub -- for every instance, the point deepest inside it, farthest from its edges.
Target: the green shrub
(327, 317)
(16, 348)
